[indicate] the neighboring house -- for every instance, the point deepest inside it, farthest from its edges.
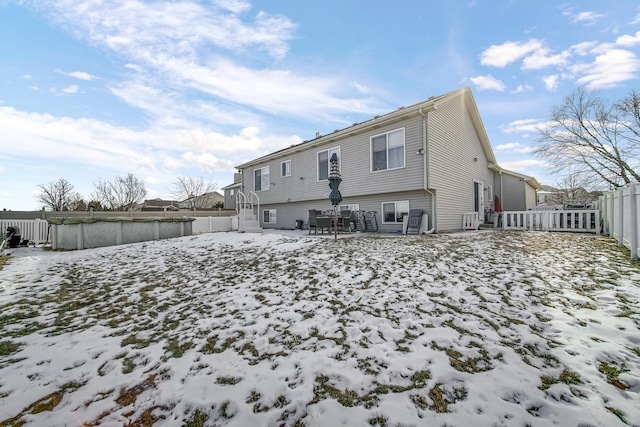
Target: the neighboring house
(567, 196)
(433, 156)
(550, 196)
(204, 201)
(158, 205)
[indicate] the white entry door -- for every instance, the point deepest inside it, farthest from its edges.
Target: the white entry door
(478, 199)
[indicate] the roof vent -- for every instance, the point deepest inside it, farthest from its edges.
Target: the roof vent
(317, 134)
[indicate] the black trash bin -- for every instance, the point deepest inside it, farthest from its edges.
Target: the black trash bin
(299, 224)
(13, 234)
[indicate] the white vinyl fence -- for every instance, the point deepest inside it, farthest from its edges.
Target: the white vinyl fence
(621, 216)
(34, 230)
(213, 224)
(580, 221)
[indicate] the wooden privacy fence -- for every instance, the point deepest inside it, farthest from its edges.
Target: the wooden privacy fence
(34, 230)
(621, 215)
(580, 221)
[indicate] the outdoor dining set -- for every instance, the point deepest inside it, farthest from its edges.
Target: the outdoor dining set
(347, 221)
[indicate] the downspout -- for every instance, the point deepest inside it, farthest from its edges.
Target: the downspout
(501, 197)
(425, 163)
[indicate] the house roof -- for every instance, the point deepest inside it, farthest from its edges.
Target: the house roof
(160, 202)
(528, 179)
(424, 107)
(230, 186)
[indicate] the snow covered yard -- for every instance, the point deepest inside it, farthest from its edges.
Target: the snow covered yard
(225, 329)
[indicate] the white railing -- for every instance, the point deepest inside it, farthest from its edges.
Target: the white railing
(247, 202)
(34, 230)
(470, 221)
(581, 221)
(621, 216)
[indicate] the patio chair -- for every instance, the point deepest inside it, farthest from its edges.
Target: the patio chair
(344, 221)
(313, 220)
(414, 221)
(370, 221)
(323, 222)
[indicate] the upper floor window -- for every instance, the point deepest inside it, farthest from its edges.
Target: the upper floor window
(261, 179)
(387, 151)
(324, 166)
(393, 212)
(285, 168)
(232, 193)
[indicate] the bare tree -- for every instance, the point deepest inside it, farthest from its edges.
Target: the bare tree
(58, 195)
(120, 194)
(593, 139)
(574, 188)
(193, 191)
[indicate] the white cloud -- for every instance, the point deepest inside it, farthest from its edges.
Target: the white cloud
(514, 147)
(524, 165)
(487, 82)
(80, 75)
(361, 88)
(551, 82)
(541, 59)
(142, 29)
(629, 41)
(584, 48)
(523, 88)
(587, 17)
(236, 6)
(609, 69)
(508, 52)
(93, 142)
(27, 76)
(180, 47)
(520, 126)
(71, 89)
(207, 162)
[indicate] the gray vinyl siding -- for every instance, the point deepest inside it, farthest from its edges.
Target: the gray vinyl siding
(531, 197)
(288, 213)
(453, 144)
(513, 193)
(230, 201)
(355, 160)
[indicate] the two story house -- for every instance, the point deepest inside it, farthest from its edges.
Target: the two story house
(434, 156)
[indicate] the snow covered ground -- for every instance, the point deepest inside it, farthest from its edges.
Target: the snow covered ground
(226, 329)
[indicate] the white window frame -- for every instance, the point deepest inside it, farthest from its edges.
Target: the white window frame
(386, 135)
(287, 171)
(395, 211)
(266, 185)
(232, 193)
(271, 216)
(329, 152)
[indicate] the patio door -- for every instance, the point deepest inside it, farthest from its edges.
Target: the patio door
(478, 199)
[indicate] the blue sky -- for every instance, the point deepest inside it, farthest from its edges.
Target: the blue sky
(96, 89)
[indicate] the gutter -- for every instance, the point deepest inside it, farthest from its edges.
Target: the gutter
(426, 171)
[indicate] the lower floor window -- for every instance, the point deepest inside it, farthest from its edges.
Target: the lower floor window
(393, 212)
(269, 216)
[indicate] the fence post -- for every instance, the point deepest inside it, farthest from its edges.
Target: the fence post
(620, 217)
(633, 215)
(546, 220)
